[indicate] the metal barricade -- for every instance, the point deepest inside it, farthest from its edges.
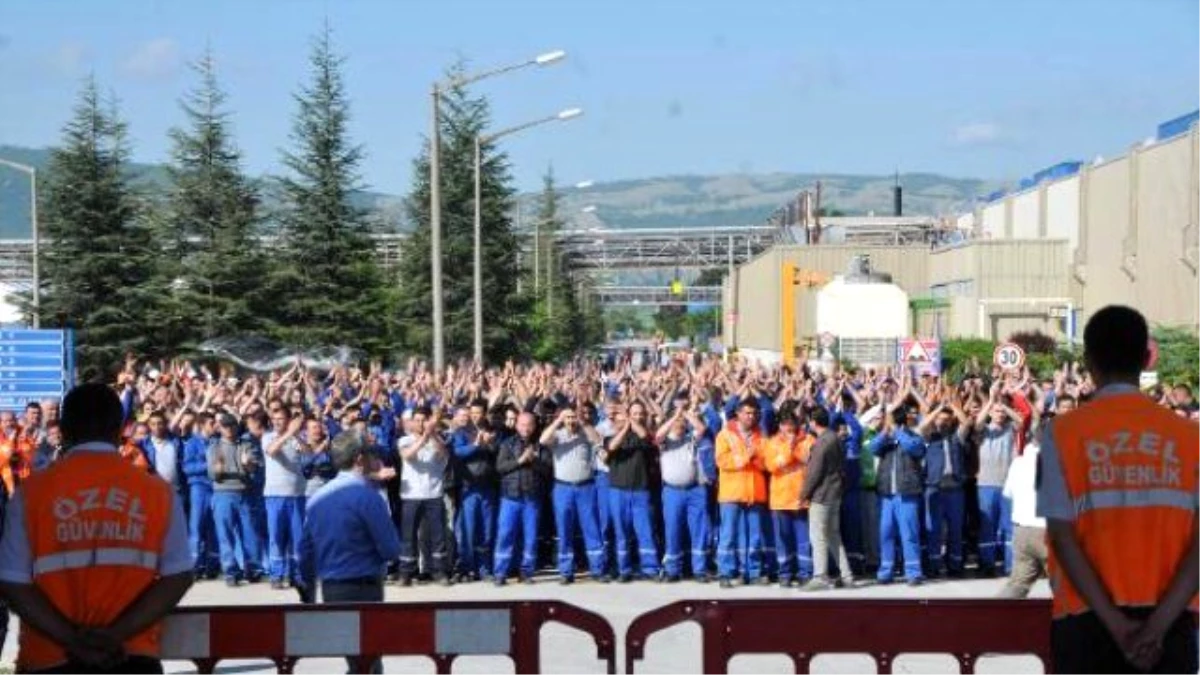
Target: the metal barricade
(365, 632)
(802, 629)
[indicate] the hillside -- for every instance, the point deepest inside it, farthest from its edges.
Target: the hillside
(666, 202)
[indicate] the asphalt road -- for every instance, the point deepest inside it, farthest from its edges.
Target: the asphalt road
(564, 650)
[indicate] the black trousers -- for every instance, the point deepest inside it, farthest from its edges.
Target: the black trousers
(132, 664)
(334, 591)
(430, 515)
(1081, 644)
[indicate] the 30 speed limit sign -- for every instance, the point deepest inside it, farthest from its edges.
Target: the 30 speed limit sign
(1009, 356)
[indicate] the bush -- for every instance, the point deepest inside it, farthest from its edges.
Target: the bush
(1035, 342)
(957, 355)
(1178, 356)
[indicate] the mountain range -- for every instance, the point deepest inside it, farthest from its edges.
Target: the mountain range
(685, 201)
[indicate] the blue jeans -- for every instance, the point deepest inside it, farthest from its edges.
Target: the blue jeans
(475, 532)
(740, 545)
(993, 528)
(685, 511)
(235, 535)
(258, 516)
(899, 518)
(285, 524)
(631, 520)
(202, 539)
(517, 516)
(577, 504)
(793, 551)
(944, 506)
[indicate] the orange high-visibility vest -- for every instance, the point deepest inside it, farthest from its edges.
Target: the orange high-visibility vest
(787, 462)
(96, 528)
(741, 477)
(1130, 467)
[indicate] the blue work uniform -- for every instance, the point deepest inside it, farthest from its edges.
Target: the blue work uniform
(944, 505)
(898, 482)
(630, 504)
(475, 531)
(685, 504)
(522, 489)
(574, 500)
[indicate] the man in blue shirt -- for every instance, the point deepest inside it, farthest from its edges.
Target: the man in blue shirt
(899, 481)
(348, 538)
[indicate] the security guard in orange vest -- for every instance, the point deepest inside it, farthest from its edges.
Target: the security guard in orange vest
(1117, 484)
(94, 552)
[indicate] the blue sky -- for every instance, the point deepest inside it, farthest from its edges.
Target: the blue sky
(960, 87)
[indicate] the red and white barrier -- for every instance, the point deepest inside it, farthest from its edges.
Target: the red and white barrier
(441, 631)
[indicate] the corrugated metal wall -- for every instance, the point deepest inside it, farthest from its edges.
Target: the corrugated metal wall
(1131, 222)
(1025, 214)
(1022, 268)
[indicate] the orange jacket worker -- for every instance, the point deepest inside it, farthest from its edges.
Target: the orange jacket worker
(786, 457)
(742, 497)
(1118, 487)
(94, 553)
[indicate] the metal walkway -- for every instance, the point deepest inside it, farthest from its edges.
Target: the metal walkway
(656, 296)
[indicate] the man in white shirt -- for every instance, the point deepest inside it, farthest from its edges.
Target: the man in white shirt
(1029, 531)
(425, 456)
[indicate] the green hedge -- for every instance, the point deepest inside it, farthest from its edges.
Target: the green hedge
(1178, 357)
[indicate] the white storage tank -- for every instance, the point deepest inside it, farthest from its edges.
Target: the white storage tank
(863, 304)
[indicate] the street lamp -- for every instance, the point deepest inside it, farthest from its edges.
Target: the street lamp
(33, 231)
(435, 188)
(480, 140)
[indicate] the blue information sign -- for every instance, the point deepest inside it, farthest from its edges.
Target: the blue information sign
(35, 365)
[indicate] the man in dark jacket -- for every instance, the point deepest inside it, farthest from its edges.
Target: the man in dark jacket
(525, 469)
(823, 489)
(474, 448)
(899, 483)
(944, 475)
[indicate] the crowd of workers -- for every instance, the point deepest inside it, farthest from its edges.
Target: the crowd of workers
(648, 467)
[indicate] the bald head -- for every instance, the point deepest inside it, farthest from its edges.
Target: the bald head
(526, 423)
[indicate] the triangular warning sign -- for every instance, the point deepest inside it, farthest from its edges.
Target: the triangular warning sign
(916, 352)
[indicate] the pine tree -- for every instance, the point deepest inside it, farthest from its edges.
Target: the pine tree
(557, 322)
(98, 264)
(328, 289)
(505, 312)
(211, 275)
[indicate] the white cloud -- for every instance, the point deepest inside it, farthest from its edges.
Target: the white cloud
(70, 58)
(977, 133)
(155, 58)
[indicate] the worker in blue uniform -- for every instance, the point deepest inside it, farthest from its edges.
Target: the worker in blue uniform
(900, 450)
(684, 492)
(473, 448)
(525, 469)
(944, 475)
(572, 445)
(629, 456)
(202, 531)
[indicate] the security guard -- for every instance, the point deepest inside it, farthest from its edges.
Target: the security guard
(95, 551)
(1117, 484)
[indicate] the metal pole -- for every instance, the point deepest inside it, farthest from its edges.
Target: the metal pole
(435, 231)
(520, 271)
(550, 279)
(478, 257)
(537, 256)
(37, 245)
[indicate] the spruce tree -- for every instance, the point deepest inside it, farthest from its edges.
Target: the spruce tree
(328, 289)
(557, 323)
(211, 276)
(505, 312)
(98, 262)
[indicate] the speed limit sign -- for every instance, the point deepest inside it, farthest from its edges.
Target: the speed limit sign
(1009, 356)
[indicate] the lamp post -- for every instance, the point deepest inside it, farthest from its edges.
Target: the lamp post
(34, 234)
(480, 140)
(435, 188)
